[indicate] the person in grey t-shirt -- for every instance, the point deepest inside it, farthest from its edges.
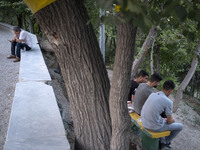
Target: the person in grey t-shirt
(153, 107)
(144, 90)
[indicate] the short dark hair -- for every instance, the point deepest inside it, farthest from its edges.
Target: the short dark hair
(16, 29)
(168, 85)
(155, 77)
(143, 73)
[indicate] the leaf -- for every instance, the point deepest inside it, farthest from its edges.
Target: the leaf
(192, 14)
(169, 6)
(134, 8)
(181, 12)
(197, 17)
(155, 17)
(198, 26)
(191, 36)
(185, 32)
(139, 21)
(162, 25)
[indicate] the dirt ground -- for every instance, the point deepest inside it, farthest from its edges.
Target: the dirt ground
(189, 137)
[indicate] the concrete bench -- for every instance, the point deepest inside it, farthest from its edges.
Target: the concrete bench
(32, 65)
(35, 121)
(150, 140)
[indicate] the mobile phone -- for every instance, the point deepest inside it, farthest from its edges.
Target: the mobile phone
(9, 40)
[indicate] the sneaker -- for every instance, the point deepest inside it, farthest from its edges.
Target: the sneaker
(11, 56)
(163, 146)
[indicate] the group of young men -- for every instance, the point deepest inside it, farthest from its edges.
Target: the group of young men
(155, 108)
(20, 41)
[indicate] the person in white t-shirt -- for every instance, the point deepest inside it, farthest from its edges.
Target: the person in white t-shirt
(20, 41)
(151, 118)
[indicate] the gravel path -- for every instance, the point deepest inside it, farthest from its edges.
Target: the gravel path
(9, 75)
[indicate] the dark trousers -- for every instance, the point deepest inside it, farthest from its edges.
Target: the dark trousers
(18, 47)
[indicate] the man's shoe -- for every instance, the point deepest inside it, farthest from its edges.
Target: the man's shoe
(17, 59)
(11, 56)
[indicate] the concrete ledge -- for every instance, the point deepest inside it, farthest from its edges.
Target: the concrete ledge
(39, 143)
(32, 65)
(35, 121)
(35, 116)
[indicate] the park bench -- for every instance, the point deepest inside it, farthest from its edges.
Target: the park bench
(150, 140)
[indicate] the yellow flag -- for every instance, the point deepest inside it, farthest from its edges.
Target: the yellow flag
(36, 5)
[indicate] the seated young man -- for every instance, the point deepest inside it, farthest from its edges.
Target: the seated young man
(141, 78)
(21, 39)
(153, 107)
(144, 90)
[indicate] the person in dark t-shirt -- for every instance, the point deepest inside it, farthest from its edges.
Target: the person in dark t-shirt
(141, 78)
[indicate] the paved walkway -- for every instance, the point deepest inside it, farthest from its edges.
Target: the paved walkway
(9, 75)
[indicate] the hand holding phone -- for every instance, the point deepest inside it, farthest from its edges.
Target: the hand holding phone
(9, 40)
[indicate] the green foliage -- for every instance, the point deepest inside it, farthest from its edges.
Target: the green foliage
(179, 26)
(109, 19)
(93, 12)
(16, 13)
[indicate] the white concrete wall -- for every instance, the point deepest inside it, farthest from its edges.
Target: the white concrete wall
(35, 121)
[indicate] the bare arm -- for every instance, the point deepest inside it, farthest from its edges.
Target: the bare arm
(18, 40)
(170, 119)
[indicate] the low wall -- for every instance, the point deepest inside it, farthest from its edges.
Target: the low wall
(35, 121)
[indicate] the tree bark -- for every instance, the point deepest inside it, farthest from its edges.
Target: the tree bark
(65, 24)
(30, 24)
(121, 123)
(158, 59)
(20, 20)
(151, 58)
(187, 79)
(143, 52)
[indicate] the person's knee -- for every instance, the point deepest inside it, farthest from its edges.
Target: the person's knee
(19, 44)
(13, 43)
(179, 126)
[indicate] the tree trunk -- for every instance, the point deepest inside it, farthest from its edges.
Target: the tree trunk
(151, 58)
(158, 59)
(187, 79)
(121, 123)
(20, 20)
(66, 26)
(30, 24)
(143, 52)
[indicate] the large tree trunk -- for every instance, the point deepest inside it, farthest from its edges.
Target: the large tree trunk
(66, 26)
(121, 123)
(187, 79)
(143, 52)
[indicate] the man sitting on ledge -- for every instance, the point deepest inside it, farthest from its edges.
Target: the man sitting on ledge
(144, 90)
(153, 107)
(21, 39)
